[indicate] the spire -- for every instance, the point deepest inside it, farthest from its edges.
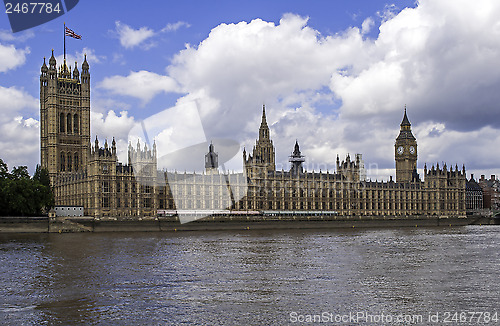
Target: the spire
(52, 61)
(44, 66)
(264, 129)
(211, 158)
(405, 121)
(76, 73)
(263, 112)
(85, 64)
(405, 131)
(296, 160)
(296, 150)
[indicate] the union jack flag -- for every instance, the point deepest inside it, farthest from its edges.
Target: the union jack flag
(72, 34)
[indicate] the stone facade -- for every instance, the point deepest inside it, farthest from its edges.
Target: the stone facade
(491, 192)
(473, 195)
(90, 176)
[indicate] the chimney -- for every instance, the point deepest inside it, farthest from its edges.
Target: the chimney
(472, 176)
(482, 177)
(492, 177)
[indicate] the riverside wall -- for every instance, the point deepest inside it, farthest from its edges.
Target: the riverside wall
(172, 224)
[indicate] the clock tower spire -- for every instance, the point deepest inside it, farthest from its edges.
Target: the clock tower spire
(405, 151)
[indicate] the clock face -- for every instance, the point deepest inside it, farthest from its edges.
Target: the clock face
(400, 150)
(412, 150)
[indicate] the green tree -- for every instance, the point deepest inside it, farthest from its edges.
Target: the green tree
(21, 192)
(45, 195)
(22, 195)
(4, 178)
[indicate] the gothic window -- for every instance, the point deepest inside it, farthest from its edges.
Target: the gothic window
(75, 124)
(61, 122)
(63, 165)
(105, 186)
(76, 161)
(69, 162)
(68, 124)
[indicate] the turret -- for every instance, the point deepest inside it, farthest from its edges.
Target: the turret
(296, 160)
(85, 71)
(52, 61)
(76, 73)
(211, 160)
(44, 68)
(113, 146)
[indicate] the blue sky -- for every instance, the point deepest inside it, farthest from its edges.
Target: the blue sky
(333, 74)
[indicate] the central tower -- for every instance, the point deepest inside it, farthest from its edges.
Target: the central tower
(405, 152)
(263, 152)
(64, 117)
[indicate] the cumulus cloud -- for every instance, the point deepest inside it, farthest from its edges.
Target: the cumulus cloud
(108, 125)
(142, 84)
(14, 101)
(130, 37)
(345, 93)
(367, 25)
(12, 57)
(19, 144)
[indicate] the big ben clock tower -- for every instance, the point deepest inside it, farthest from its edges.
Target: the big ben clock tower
(405, 151)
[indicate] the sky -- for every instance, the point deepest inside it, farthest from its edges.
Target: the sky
(334, 75)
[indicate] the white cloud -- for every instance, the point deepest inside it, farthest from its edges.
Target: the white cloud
(15, 100)
(130, 38)
(367, 25)
(8, 36)
(438, 58)
(172, 27)
(11, 57)
(19, 144)
(109, 125)
(78, 56)
(141, 84)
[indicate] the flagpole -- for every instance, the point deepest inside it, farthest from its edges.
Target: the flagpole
(64, 42)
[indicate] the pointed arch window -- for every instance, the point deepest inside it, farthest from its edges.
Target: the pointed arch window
(69, 125)
(76, 161)
(75, 124)
(69, 162)
(61, 122)
(63, 163)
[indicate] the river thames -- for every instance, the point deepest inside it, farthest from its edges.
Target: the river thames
(273, 277)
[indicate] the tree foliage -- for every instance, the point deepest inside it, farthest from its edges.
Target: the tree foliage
(22, 195)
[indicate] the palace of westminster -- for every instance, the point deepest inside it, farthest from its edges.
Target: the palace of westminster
(89, 175)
